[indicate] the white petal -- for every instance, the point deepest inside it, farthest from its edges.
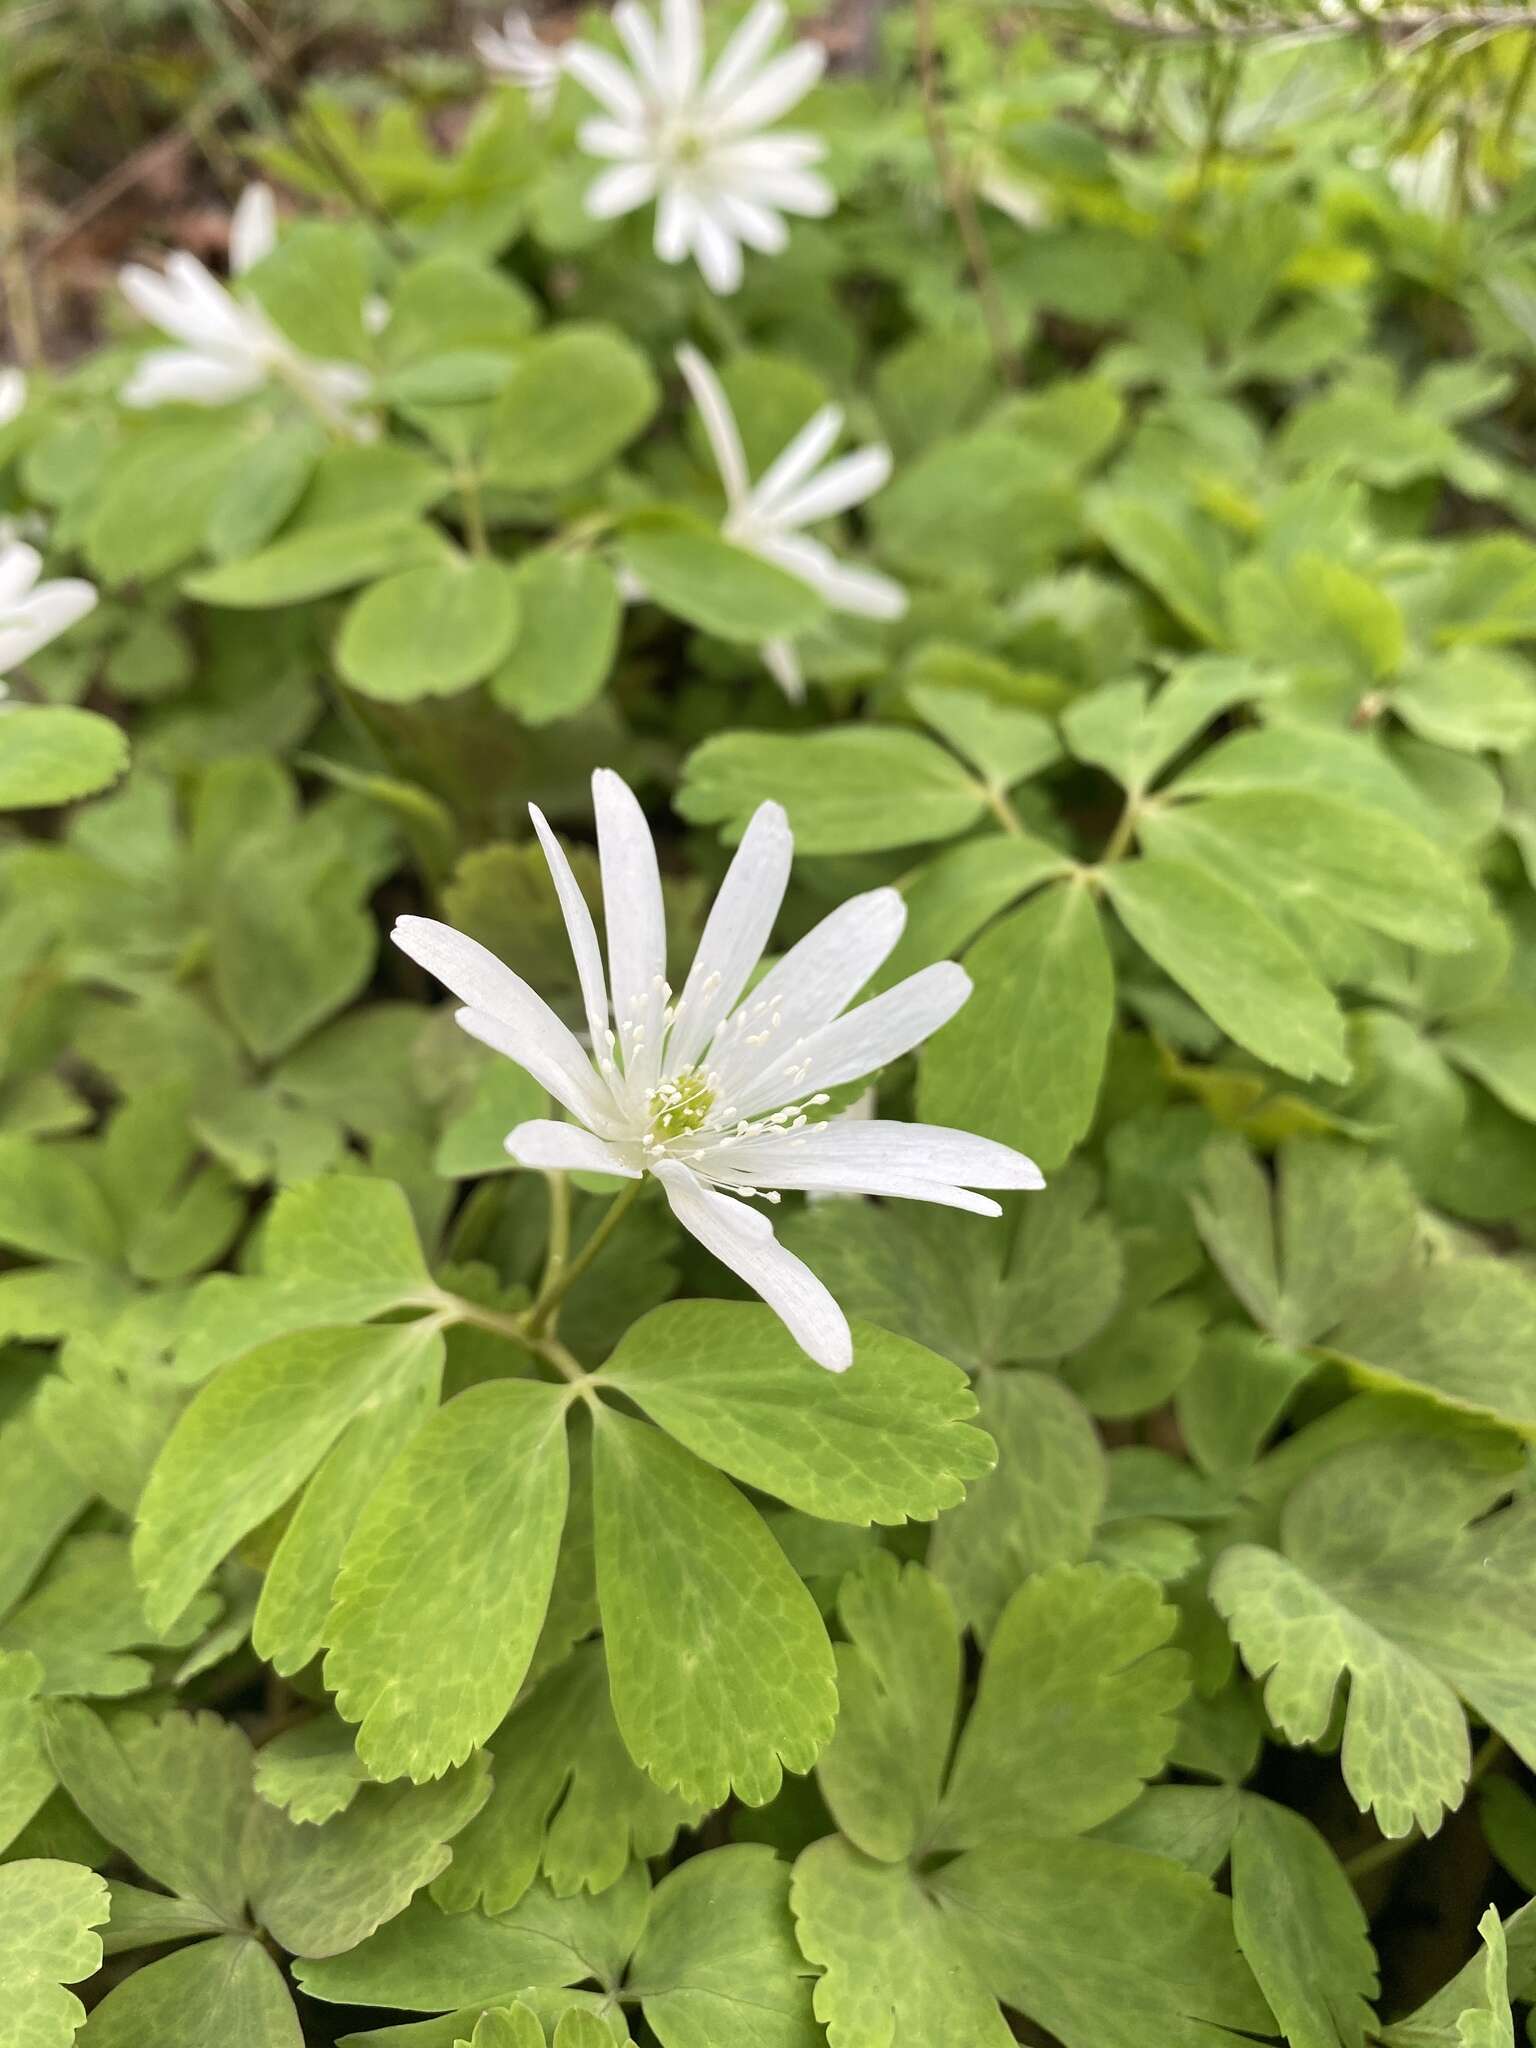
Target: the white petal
(743, 1239)
(580, 930)
(783, 664)
(718, 252)
(13, 394)
(503, 1012)
(677, 214)
(810, 447)
(51, 610)
(20, 567)
(607, 81)
(637, 32)
(252, 228)
(613, 139)
(841, 485)
(735, 933)
(757, 227)
(776, 88)
(719, 423)
(620, 191)
(845, 587)
(682, 48)
(816, 979)
(782, 186)
(858, 1043)
(184, 376)
(744, 52)
(635, 923)
(564, 1148)
(745, 157)
(859, 1156)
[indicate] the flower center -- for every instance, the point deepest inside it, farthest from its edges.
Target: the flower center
(680, 1105)
(684, 145)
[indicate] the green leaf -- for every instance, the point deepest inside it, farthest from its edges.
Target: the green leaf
(974, 510)
(310, 1772)
(86, 1613)
(888, 1441)
(172, 1794)
(1002, 744)
(26, 1775)
(718, 1958)
(853, 789)
(570, 615)
(53, 754)
(1469, 697)
(1023, 1060)
(568, 1799)
(1479, 1992)
(571, 404)
(1031, 1919)
(321, 1890)
(52, 1207)
(709, 1597)
(151, 509)
(253, 1435)
(1378, 1574)
(288, 1627)
(258, 494)
(1458, 1331)
(898, 1676)
(1242, 970)
(962, 889)
(1496, 1044)
(425, 1960)
(1133, 737)
(317, 561)
(1304, 847)
(891, 1975)
(688, 568)
(1298, 1922)
(226, 1993)
(141, 1918)
(1040, 1507)
(1075, 1710)
(446, 1578)
(474, 1142)
(1173, 549)
(429, 632)
(47, 1911)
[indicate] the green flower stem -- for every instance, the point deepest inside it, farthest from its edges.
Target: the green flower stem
(1001, 809)
(467, 483)
(1119, 842)
(559, 1250)
(542, 1315)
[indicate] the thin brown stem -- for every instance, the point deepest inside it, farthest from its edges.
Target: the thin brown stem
(958, 198)
(21, 307)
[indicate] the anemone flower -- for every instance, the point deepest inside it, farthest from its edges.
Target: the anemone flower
(767, 518)
(718, 1092)
(697, 145)
(33, 613)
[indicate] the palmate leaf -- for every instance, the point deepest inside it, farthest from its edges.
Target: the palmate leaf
(85, 1621)
(709, 1956)
(567, 1798)
(47, 1912)
(225, 1993)
(1379, 1576)
(26, 1775)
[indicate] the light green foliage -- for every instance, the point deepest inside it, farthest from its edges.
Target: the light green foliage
(389, 1625)
(732, 1384)
(445, 1580)
(705, 1596)
(47, 1912)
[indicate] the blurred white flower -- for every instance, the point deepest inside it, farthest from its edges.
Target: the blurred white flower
(252, 228)
(229, 348)
(13, 394)
(1440, 179)
(716, 1093)
(516, 53)
(794, 492)
(33, 613)
(694, 144)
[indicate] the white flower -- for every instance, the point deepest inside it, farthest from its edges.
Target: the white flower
(766, 518)
(717, 1093)
(516, 53)
(33, 613)
(13, 394)
(695, 145)
(229, 346)
(252, 228)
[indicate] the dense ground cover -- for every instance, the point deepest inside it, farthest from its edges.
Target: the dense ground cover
(1073, 486)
